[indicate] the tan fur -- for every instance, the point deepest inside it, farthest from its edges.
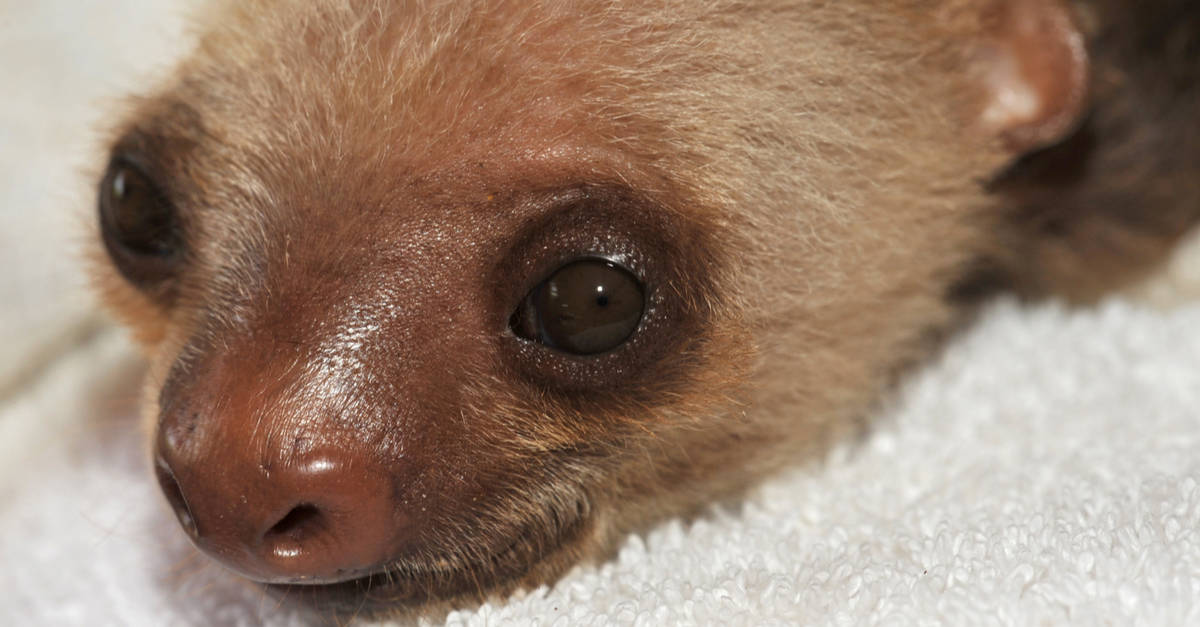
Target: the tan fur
(822, 161)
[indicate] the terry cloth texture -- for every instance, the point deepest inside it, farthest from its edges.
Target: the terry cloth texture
(1045, 469)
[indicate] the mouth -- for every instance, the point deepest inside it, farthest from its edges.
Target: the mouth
(452, 574)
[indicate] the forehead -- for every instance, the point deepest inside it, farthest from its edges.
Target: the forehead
(322, 111)
(419, 90)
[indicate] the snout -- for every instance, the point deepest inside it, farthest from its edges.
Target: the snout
(307, 438)
(322, 518)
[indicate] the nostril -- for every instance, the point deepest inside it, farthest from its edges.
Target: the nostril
(304, 520)
(174, 494)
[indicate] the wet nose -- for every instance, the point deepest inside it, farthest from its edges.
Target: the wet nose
(324, 519)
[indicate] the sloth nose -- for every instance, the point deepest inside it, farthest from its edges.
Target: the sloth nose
(326, 519)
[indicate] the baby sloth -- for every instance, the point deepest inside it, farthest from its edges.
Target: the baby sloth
(441, 298)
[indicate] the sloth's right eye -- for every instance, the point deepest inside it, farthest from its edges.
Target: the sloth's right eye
(138, 224)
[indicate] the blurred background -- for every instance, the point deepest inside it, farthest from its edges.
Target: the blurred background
(64, 67)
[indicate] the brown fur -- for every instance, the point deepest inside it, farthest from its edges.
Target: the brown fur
(806, 180)
(1103, 208)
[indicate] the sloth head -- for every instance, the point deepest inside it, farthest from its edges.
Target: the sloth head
(439, 299)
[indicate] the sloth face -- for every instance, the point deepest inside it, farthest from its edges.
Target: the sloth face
(440, 300)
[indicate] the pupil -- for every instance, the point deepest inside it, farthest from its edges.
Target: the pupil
(602, 300)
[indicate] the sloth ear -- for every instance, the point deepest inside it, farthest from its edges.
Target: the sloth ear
(1034, 69)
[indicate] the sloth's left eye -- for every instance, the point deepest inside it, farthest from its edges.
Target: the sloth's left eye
(587, 306)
